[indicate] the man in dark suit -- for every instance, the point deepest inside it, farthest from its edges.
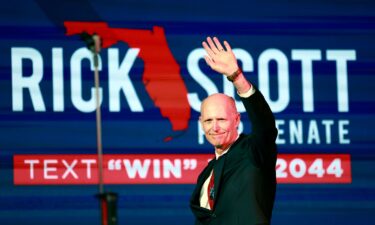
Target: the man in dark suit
(238, 186)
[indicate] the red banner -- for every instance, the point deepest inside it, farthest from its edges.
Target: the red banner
(166, 169)
(313, 168)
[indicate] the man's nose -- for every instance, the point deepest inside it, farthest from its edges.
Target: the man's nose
(216, 126)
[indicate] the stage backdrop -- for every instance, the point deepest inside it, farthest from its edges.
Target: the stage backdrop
(314, 61)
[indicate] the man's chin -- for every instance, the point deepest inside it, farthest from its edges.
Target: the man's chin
(218, 146)
(216, 143)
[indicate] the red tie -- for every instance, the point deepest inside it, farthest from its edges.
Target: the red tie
(211, 191)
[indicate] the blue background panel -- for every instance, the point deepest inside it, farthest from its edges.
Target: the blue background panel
(252, 26)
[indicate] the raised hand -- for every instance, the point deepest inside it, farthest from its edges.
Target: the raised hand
(220, 59)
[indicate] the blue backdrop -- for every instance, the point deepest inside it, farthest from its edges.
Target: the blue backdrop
(39, 118)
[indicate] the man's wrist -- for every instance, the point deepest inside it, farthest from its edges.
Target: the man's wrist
(248, 93)
(234, 75)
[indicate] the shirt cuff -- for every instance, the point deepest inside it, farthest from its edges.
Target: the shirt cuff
(247, 94)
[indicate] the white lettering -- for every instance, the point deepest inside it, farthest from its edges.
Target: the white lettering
(313, 134)
(341, 57)
(295, 132)
(156, 163)
(306, 57)
(119, 80)
(171, 168)
(76, 81)
(88, 163)
(29, 82)
(312, 131)
(58, 79)
(48, 168)
(69, 169)
(328, 124)
(283, 78)
(31, 162)
(137, 168)
(343, 132)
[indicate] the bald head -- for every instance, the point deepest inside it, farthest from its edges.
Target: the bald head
(219, 99)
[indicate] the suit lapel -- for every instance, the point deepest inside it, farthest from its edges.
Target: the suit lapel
(218, 166)
(202, 178)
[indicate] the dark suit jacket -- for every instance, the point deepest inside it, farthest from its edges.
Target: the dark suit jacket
(245, 179)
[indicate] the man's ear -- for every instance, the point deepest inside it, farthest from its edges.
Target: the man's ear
(238, 119)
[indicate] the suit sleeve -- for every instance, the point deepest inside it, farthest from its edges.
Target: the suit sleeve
(264, 131)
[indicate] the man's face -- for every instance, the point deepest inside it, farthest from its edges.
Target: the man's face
(219, 120)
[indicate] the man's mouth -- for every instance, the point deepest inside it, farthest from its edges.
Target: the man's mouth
(217, 134)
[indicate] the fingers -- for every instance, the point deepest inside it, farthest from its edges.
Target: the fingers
(218, 44)
(208, 49)
(208, 61)
(227, 46)
(214, 45)
(220, 59)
